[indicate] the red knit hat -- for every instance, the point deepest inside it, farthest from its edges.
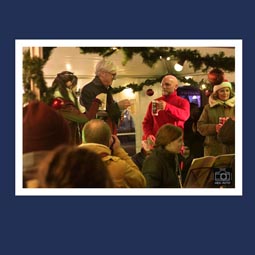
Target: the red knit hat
(43, 128)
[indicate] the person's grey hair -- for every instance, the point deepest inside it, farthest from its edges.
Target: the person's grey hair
(106, 66)
(97, 131)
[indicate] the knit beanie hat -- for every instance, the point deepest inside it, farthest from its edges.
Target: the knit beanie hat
(224, 84)
(43, 128)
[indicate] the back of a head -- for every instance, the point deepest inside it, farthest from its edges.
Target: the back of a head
(167, 134)
(63, 77)
(60, 83)
(43, 128)
(97, 131)
(73, 167)
(106, 66)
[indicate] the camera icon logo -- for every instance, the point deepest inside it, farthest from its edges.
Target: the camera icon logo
(222, 176)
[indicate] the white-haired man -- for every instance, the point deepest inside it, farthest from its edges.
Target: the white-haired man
(99, 89)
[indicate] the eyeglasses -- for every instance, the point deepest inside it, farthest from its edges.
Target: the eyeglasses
(113, 75)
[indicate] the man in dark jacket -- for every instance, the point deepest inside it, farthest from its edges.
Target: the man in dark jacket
(100, 88)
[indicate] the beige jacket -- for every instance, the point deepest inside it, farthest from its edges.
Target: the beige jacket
(122, 169)
(208, 120)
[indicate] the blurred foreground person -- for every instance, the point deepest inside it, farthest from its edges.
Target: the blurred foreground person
(123, 171)
(43, 130)
(73, 167)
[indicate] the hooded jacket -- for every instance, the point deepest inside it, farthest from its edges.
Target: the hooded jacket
(206, 124)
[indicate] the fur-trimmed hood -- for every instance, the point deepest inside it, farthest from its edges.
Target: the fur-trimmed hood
(213, 102)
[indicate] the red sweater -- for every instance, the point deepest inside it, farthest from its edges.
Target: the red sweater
(176, 112)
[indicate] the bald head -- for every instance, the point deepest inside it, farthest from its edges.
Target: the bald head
(97, 131)
(169, 84)
(171, 79)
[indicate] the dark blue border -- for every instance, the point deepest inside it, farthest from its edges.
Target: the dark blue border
(124, 225)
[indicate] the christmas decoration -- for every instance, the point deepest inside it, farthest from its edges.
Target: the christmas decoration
(57, 103)
(149, 92)
(32, 67)
(151, 55)
(215, 76)
(207, 92)
(137, 87)
(32, 70)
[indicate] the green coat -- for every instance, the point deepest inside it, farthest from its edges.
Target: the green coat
(159, 169)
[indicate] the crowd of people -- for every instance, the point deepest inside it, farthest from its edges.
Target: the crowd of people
(73, 143)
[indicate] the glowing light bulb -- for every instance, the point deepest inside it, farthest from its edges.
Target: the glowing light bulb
(203, 86)
(68, 67)
(178, 67)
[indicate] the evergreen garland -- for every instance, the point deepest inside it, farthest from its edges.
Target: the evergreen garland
(151, 55)
(32, 67)
(32, 70)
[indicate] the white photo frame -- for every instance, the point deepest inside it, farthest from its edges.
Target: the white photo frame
(20, 191)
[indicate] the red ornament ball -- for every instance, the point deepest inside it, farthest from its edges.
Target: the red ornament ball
(215, 76)
(207, 93)
(149, 92)
(57, 103)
